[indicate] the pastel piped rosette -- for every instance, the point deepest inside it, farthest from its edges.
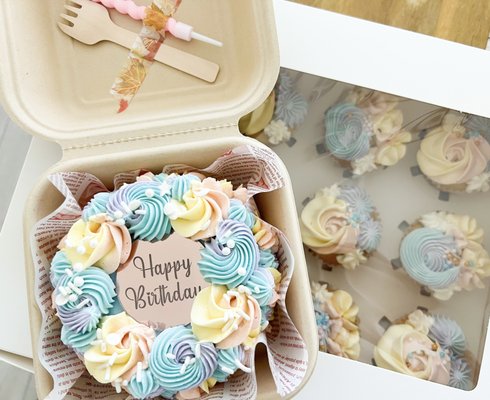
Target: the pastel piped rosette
(428, 347)
(238, 259)
(279, 115)
(455, 156)
(341, 226)
(337, 321)
(444, 252)
(365, 131)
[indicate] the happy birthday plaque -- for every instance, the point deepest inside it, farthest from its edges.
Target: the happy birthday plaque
(159, 282)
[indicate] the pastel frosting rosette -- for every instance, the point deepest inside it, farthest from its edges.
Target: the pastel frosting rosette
(238, 259)
(365, 131)
(428, 347)
(337, 321)
(444, 252)
(277, 117)
(455, 156)
(341, 226)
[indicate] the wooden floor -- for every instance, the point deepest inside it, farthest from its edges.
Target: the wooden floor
(462, 21)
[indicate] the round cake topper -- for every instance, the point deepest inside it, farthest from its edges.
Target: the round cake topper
(159, 282)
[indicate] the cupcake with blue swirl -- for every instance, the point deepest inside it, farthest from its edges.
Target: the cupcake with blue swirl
(341, 226)
(364, 131)
(427, 347)
(444, 253)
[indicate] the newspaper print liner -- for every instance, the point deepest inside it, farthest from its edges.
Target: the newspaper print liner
(253, 167)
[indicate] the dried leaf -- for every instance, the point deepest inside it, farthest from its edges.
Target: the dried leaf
(131, 78)
(155, 18)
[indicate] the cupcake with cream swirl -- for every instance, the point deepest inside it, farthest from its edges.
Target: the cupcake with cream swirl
(455, 156)
(423, 346)
(341, 226)
(444, 252)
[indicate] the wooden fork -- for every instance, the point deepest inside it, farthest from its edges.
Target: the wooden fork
(91, 24)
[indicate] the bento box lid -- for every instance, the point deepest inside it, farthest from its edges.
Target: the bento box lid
(58, 88)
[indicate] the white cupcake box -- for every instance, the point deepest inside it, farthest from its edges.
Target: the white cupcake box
(410, 65)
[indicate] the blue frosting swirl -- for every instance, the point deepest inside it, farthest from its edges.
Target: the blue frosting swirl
(94, 284)
(175, 362)
(146, 388)
(59, 265)
(141, 206)
(181, 184)
(369, 235)
(229, 361)
(81, 315)
(449, 335)
(261, 285)
(239, 212)
(79, 341)
(268, 259)
(291, 108)
(97, 205)
(230, 258)
(347, 131)
(460, 375)
(422, 253)
(358, 201)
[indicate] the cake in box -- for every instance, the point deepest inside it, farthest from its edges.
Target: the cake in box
(175, 119)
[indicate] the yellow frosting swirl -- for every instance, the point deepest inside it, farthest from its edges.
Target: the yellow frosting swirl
(98, 242)
(324, 225)
(122, 347)
(225, 317)
(447, 157)
(202, 208)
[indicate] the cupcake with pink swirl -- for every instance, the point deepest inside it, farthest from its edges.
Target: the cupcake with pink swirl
(455, 156)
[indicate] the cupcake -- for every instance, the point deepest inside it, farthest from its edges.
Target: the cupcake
(455, 156)
(276, 118)
(444, 253)
(341, 226)
(427, 347)
(365, 131)
(337, 321)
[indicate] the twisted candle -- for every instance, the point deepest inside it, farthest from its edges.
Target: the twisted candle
(125, 7)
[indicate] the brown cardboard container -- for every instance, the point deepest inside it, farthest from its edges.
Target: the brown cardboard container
(58, 89)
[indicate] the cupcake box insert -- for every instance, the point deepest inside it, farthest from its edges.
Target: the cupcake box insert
(60, 91)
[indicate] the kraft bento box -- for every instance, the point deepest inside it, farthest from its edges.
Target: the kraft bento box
(58, 89)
